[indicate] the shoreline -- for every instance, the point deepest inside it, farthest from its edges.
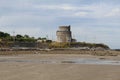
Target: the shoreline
(95, 53)
(29, 65)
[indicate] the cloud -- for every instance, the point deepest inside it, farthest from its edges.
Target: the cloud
(93, 10)
(114, 13)
(81, 14)
(102, 10)
(90, 19)
(97, 34)
(56, 7)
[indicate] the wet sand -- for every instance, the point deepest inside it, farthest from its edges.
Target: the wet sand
(61, 71)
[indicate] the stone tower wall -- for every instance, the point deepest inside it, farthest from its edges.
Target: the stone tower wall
(64, 34)
(64, 28)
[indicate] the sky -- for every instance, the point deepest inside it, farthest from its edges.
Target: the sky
(95, 21)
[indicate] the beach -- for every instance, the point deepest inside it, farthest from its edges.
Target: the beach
(49, 65)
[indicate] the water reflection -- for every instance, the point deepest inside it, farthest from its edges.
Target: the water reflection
(61, 61)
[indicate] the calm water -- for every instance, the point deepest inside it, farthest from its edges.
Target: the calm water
(61, 61)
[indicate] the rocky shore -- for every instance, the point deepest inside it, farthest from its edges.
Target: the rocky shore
(47, 51)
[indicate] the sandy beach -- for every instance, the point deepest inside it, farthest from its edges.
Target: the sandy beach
(38, 67)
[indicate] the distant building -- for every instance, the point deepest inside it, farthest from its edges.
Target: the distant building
(64, 34)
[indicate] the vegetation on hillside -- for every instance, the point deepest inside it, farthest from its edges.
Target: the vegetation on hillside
(6, 39)
(77, 45)
(20, 38)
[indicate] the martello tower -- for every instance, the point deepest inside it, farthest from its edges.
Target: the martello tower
(64, 34)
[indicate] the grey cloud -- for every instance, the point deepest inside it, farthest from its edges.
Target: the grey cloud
(41, 17)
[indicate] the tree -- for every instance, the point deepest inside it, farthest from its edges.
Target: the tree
(1, 34)
(26, 36)
(19, 36)
(4, 35)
